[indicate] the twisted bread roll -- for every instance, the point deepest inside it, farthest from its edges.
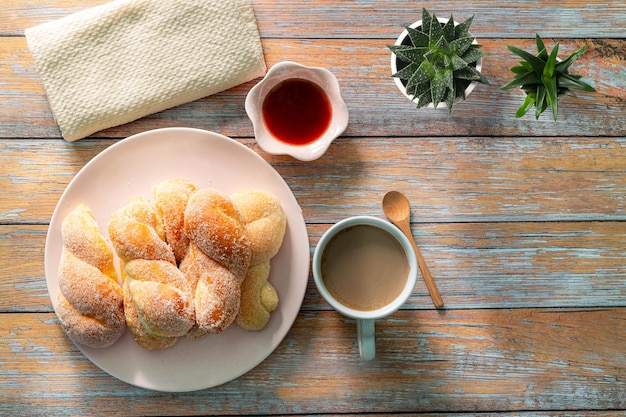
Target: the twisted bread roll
(158, 303)
(157, 296)
(215, 225)
(265, 222)
(217, 292)
(137, 232)
(170, 198)
(217, 260)
(258, 298)
(90, 299)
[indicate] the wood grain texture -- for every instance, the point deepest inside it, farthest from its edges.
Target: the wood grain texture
(522, 224)
(376, 106)
(380, 18)
(475, 265)
(447, 179)
(449, 361)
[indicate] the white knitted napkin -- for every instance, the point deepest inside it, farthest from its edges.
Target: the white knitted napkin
(115, 63)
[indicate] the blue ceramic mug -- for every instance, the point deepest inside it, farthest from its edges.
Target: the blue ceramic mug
(365, 319)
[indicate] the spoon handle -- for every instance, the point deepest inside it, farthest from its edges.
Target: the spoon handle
(428, 279)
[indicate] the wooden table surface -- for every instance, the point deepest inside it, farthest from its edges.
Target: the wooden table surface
(522, 222)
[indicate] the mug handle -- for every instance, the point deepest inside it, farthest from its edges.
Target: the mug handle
(367, 341)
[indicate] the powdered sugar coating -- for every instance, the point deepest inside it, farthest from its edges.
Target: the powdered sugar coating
(159, 301)
(137, 232)
(217, 292)
(90, 300)
(140, 333)
(258, 298)
(161, 296)
(82, 237)
(265, 222)
(157, 297)
(214, 224)
(170, 198)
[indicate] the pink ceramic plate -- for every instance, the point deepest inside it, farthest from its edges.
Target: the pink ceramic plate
(130, 168)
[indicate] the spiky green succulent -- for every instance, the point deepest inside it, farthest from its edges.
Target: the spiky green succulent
(440, 62)
(545, 79)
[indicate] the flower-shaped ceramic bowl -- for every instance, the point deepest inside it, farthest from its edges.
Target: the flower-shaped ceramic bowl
(284, 71)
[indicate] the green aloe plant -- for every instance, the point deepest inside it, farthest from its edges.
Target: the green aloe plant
(545, 79)
(440, 61)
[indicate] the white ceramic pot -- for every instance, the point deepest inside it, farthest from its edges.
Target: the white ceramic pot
(394, 66)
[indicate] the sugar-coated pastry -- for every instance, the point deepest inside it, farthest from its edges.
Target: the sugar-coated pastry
(217, 259)
(170, 198)
(192, 262)
(265, 222)
(137, 232)
(90, 300)
(258, 298)
(213, 222)
(158, 302)
(217, 292)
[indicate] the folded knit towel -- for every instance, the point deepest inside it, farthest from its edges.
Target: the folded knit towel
(112, 64)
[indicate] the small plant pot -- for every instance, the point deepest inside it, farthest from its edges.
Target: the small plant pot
(397, 64)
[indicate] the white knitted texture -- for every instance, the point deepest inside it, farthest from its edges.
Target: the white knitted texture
(115, 63)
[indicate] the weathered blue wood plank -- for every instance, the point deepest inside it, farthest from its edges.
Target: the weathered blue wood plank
(371, 19)
(475, 265)
(461, 179)
(453, 361)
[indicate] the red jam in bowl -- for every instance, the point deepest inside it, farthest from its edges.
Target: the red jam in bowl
(297, 111)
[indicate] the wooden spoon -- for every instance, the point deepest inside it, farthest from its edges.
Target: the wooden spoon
(397, 208)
